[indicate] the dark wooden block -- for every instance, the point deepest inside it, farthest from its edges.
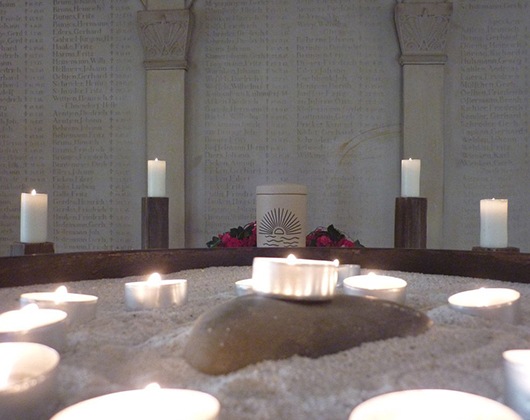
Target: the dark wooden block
(25, 248)
(155, 225)
(410, 225)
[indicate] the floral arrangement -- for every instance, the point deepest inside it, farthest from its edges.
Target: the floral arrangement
(330, 237)
(245, 236)
(238, 237)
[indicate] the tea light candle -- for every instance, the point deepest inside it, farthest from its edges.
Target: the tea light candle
(516, 368)
(494, 223)
(156, 178)
(31, 324)
(33, 217)
(410, 177)
(155, 293)
(79, 307)
(293, 278)
(28, 374)
(347, 270)
(152, 403)
(494, 303)
(244, 287)
(439, 404)
(376, 286)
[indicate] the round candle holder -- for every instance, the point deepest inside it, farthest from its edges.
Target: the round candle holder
(27, 379)
(244, 287)
(431, 404)
(376, 286)
(516, 369)
(153, 404)
(155, 294)
(294, 279)
(347, 270)
(31, 324)
(499, 304)
(79, 307)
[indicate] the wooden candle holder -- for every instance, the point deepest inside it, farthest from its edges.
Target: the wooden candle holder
(507, 249)
(26, 248)
(410, 224)
(155, 223)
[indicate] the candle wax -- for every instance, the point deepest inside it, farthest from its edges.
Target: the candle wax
(33, 217)
(156, 178)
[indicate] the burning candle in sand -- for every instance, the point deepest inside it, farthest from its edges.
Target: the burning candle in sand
(244, 287)
(439, 404)
(517, 380)
(376, 286)
(79, 307)
(152, 403)
(294, 278)
(155, 293)
(500, 304)
(27, 379)
(31, 324)
(347, 270)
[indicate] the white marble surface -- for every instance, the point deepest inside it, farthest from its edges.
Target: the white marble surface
(121, 350)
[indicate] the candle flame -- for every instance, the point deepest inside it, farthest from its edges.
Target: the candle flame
(154, 278)
(33, 192)
(291, 259)
(336, 262)
(152, 386)
(60, 293)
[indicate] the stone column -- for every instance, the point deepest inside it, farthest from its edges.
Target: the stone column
(422, 30)
(164, 33)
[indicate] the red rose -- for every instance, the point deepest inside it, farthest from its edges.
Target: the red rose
(233, 243)
(345, 243)
(324, 241)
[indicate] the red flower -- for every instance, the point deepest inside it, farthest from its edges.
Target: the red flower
(345, 243)
(324, 241)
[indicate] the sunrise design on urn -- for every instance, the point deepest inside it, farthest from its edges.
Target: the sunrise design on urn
(280, 228)
(281, 215)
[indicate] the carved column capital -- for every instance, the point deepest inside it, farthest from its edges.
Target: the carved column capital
(422, 31)
(165, 37)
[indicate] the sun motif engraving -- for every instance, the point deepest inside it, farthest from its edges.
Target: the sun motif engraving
(280, 227)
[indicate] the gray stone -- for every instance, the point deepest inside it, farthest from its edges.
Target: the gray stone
(253, 328)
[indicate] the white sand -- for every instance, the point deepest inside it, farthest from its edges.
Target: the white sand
(122, 350)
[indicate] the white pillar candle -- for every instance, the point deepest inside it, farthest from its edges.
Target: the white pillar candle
(516, 368)
(376, 286)
(150, 403)
(28, 373)
(31, 324)
(410, 177)
(156, 178)
(79, 307)
(493, 303)
(494, 223)
(438, 404)
(155, 293)
(33, 217)
(293, 278)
